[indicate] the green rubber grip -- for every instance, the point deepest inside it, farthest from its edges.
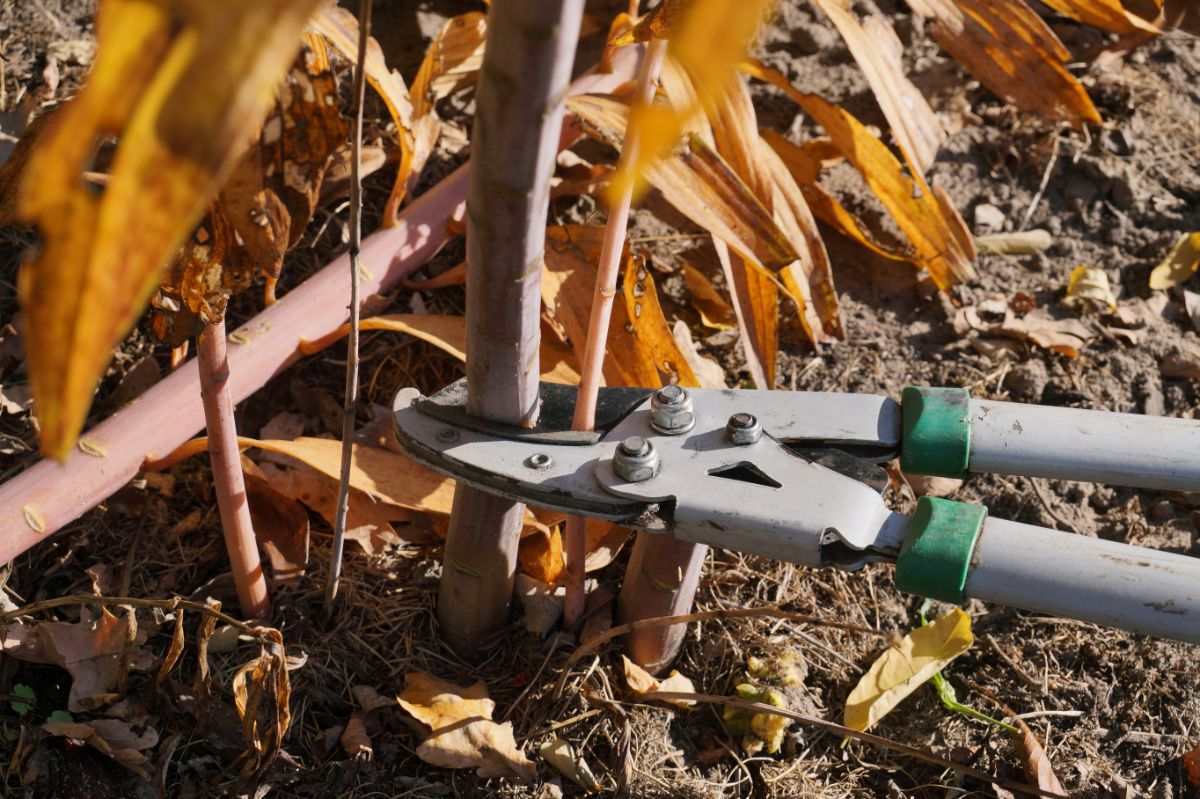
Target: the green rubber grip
(936, 554)
(937, 431)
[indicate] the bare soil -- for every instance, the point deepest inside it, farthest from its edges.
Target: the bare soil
(1115, 712)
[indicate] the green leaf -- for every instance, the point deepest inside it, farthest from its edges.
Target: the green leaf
(25, 692)
(60, 717)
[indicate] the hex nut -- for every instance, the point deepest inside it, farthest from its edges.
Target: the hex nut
(635, 460)
(671, 411)
(743, 428)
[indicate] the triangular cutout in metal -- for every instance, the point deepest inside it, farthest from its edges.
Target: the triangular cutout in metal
(746, 472)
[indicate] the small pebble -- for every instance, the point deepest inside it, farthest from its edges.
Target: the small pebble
(988, 217)
(1163, 510)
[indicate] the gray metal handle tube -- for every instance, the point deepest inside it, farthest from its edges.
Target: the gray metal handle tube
(1094, 446)
(1063, 574)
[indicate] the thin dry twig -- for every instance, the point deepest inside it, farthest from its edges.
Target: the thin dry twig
(343, 498)
(833, 726)
(710, 615)
(170, 604)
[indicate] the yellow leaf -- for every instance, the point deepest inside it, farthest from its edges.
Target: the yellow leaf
(927, 223)
(904, 668)
(805, 167)
(1180, 264)
(1109, 15)
(180, 83)
(707, 37)
(1089, 284)
(1013, 52)
(462, 733)
(878, 51)
(699, 183)
(640, 350)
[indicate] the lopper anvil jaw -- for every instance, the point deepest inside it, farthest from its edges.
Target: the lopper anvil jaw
(770, 491)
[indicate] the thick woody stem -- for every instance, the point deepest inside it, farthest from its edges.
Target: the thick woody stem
(519, 107)
(592, 368)
(228, 480)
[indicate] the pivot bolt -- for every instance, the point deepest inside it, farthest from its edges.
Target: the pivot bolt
(671, 411)
(743, 428)
(539, 461)
(635, 460)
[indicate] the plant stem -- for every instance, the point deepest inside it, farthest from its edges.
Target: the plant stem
(661, 580)
(342, 508)
(228, 480)
(49, 494)
(592, 369)
(519, 107)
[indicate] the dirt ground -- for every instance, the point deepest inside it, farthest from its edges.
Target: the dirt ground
(1115, 712)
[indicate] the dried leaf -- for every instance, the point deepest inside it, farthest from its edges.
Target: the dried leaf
(1184, 363)
(559, 753)
(540, 555)
(1013, 52)
(1038, 768)
(1020, 243)
(368, 522)
(709, 373)
(904, 667)
(281, 528)
(178, 82)
(1180, 264)
(1191, 304)
(462, 733)
(1191, 767)
(604, 542)
(368, 699)
(1065, 336)
(387, 476)
(714, 311)
(449, 334)
(114, 738)
(97, 651)
(804, 164)
(878, 51)
(701, 185)
(932, 228)
(354, 739)
(340, 28)
(641, 681)
(264, 206)
(640, 348)
(262, 694)
(1109, 15)
(451, 62)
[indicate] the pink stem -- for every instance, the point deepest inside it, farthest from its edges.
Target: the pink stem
(228, 480)
(592, 369)
(42, 499)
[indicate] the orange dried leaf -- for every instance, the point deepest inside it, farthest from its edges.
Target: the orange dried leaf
(178, 82)
(640, 348)
(540, 555)
(354, 739)
(805, 167)
(1109, 15)
(715, 312)
(1013, 52)
(909, 200)
(878, 52)
(699, 183)
(462, 733)
(387, 476)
